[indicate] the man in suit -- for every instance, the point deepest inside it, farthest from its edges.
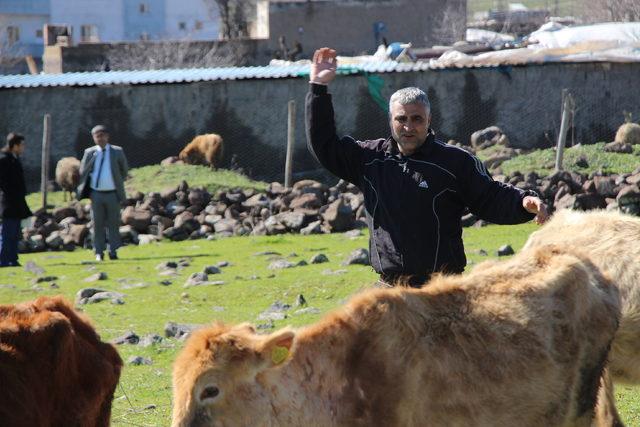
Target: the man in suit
(13, 206)
(103, 170)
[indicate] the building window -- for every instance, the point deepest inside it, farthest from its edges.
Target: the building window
(144, 8)
(13, 34)
(39, 34)
(89, 33)
(182, 25)
(198, 25)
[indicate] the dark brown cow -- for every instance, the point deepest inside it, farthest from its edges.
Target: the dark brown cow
(54, 370)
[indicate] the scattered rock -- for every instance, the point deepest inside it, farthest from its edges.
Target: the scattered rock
(178, 330)
(318, 259)
(46, 279)
(33, 268)
(505, 250)
(196, 279)
(280, 264)
(307, 310)
(95, 277)
(128, 337)
(149, 340)
(212, 269)
(359, 256)
(139, 360)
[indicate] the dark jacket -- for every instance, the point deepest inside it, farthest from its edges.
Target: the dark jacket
(13, 188)
(413, 203)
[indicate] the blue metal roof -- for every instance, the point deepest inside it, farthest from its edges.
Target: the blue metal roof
(106, 78)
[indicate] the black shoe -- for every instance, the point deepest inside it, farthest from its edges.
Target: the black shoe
(16, 264)
(113, 255)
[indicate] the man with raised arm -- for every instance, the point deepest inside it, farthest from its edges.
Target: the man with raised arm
(415, 187)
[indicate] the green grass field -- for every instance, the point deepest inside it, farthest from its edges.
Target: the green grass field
(143, 397)
(543, 161)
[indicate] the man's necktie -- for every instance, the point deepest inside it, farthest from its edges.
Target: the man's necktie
(103, 152)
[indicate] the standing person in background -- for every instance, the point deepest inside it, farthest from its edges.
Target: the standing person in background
(13, 206)
(103, 170)
(415, 187)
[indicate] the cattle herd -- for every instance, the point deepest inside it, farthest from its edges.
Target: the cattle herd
(536, 340)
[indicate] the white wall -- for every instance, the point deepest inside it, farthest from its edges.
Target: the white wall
(107, 15)
(190, 11)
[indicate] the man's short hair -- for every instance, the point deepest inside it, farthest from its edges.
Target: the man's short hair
(410, 95)
(14, 139)
(99, 128)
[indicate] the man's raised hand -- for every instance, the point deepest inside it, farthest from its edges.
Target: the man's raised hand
(323, 66)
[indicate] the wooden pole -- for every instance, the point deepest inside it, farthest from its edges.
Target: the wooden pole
(567, 106)
(291, 135)
(46, 142)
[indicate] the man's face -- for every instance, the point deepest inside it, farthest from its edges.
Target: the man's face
(101, 138)
(18, 149)
(409, 126)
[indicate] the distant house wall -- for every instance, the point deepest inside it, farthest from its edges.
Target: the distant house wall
(200, 22)
(144, 19)
(349, 26)
(29, 17)
(154, 121)
(106, 15)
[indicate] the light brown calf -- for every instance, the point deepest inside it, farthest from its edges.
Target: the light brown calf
(515, 343)
(203, 150)
(54, 370)
(612, 241)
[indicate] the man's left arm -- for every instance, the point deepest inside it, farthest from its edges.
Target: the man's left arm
(124, 166)
(498, 202)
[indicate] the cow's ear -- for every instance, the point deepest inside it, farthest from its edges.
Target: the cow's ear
(276, 348)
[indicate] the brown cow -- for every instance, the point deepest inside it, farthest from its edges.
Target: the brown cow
(515, 343)
(203, 150)
(612, 241)
(54, 370)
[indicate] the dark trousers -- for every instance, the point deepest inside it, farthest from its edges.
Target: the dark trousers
(105, 211)
(392, 280)
(9, 242)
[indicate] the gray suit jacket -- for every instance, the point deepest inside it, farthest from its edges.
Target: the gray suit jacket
(119, 170)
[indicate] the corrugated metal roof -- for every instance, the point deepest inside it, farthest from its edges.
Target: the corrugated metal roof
(106, 78)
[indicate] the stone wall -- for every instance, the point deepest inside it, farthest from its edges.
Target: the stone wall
(154, 121)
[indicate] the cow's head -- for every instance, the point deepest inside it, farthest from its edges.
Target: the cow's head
(214, 377)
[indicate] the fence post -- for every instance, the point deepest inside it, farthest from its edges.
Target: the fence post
(567, 106)
(291, 133)
(44, 174)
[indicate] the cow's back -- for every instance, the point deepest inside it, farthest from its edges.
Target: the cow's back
(520, 343)
(611, 240)
(54, 369)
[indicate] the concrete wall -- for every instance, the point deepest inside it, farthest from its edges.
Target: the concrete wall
(348, 26)
(155, 121)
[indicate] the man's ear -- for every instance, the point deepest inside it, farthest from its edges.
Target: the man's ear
(276, 348)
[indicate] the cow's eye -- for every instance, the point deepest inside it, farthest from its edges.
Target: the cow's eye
(209, 392)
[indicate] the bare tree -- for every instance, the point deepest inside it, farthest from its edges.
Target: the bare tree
(607, 11)
(235, 17)
(182, 54)
(451, 27)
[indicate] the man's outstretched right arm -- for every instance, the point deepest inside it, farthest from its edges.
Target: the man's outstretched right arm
(341, 156)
